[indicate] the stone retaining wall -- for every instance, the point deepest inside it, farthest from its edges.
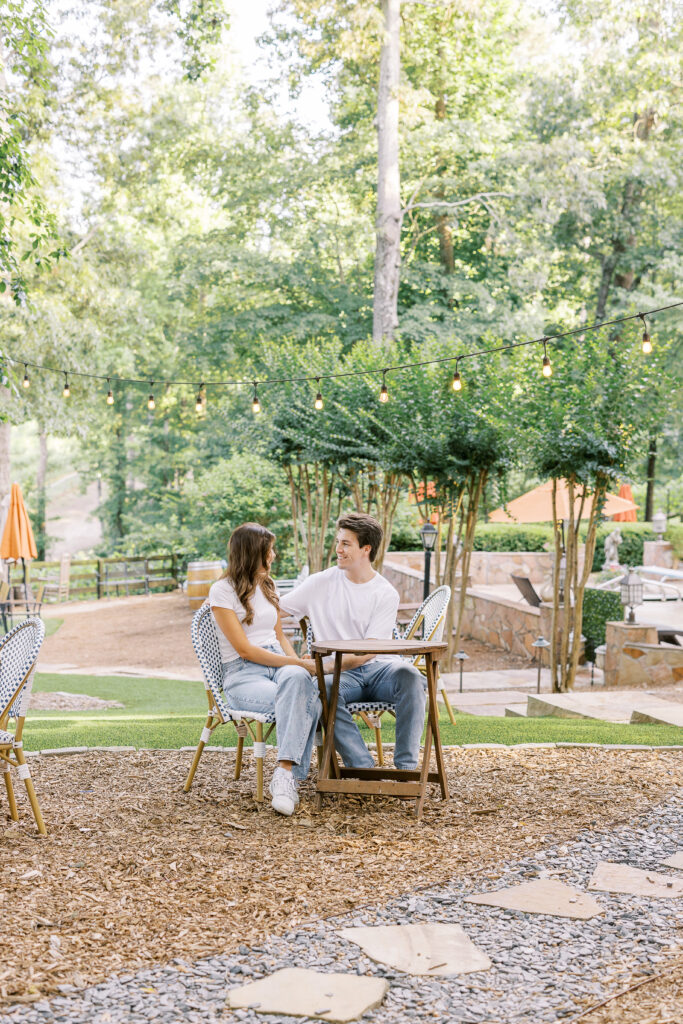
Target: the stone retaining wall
(489, 568)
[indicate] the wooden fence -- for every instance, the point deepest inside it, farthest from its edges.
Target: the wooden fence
(88, 578)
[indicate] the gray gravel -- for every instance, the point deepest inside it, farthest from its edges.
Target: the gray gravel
(544, 968)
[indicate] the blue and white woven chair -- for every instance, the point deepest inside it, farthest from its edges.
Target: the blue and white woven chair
(18, 655)
(205, 643)
(431, 613)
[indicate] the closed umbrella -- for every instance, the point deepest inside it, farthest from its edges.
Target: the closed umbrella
(17, 537)
(536, 506)
(629, 516)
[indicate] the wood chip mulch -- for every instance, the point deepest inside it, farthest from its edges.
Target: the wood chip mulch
(657, 1001)
(134, 872)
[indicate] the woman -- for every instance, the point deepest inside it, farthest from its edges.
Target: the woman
(261, 672)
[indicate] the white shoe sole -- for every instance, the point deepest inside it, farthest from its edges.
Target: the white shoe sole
(283, 805)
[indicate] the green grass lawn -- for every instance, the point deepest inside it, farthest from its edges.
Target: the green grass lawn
(52, 625)
(169, 713)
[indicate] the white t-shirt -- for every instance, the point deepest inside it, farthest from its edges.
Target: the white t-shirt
(260, 632)
(341, 610)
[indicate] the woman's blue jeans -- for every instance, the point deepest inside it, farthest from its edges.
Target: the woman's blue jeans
(290, 691)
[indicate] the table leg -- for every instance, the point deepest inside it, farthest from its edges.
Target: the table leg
(328, 746)
(424, 771)
(434, 719)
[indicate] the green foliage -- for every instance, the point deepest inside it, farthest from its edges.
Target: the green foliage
(599, 607)
(674, 534)
(631, 548)
(501, 537)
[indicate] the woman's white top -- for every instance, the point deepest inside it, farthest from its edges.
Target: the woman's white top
(261, 632)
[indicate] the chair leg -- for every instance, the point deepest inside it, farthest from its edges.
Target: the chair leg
(378, 742)
(449, 709)
(259, 751)
(13, 812)
(206, 736)
(238, 759)
(25, 774)
(319, 745)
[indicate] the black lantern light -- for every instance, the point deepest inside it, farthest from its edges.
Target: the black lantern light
(631, 592)
(428, 535)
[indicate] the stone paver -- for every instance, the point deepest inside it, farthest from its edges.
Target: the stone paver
(544, 968)
(616, 706)
(676, 861)
(302, 993)
(671, 715)
(542, 896)
(624, 878)
(432, 949)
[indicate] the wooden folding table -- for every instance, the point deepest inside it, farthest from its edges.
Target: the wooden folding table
(380, 781)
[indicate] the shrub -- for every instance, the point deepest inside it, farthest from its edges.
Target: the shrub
(599, 607)
(513, 537)
(631, 548)
(674, 534)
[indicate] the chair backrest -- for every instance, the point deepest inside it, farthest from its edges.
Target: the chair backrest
(18, 655)
(431, 613)
(526, 589)
(205, 643)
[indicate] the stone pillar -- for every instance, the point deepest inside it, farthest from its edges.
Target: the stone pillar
(618, 635)
(658, 552)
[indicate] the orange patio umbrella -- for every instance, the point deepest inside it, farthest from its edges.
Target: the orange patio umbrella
(536, 506)
(17, 538)
(629, 516)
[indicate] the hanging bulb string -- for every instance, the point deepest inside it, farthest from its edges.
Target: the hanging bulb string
(357, 373)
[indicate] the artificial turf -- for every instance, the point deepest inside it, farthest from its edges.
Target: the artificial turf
(161, 713)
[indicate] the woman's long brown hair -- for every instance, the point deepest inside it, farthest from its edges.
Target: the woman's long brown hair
(248, 550)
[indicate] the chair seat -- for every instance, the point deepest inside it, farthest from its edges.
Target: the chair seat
(6, 738)
(251, 716)
(370, 707)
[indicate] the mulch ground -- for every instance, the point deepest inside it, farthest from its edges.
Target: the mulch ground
(134, 872)
(657, 1001)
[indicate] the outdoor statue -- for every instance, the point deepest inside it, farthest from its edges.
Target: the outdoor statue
(612, 542)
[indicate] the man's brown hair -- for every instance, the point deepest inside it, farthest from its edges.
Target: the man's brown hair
(366, 529)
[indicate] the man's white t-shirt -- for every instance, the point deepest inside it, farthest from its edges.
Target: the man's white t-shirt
(341, 610)
(262, 629)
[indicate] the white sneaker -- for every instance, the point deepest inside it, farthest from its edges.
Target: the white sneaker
(283, 791)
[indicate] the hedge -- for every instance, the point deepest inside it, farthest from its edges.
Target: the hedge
(501, 537)
(599, 607)
(674, 534)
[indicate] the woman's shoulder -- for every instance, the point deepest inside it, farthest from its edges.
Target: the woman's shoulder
(222, 593)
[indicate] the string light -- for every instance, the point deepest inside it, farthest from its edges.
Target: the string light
(199, 401)
(547, 370)
(110, 394)
(67, 390)
(646, 344)
(456, 383)
(384, 394)
(26, 382)
(151, 404)
(319, 397)
(255, 404)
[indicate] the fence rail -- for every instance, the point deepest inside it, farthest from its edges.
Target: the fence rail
(89, 578)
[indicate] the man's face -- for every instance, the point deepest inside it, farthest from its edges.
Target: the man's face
(349, 552)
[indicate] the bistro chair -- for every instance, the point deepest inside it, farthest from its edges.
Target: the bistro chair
(18, 655)
(205, 643)
(431, 616)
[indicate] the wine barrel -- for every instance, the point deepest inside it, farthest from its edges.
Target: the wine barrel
(200, 576)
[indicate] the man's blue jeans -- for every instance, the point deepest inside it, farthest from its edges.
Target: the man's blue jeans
(291, 692)
(395, 681)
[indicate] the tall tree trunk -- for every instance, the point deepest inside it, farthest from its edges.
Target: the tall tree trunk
(41, 503)
(650, 476)
(388, 219)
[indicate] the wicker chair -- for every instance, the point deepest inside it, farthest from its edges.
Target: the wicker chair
(18, 655)
(431, 614)
(205, 643)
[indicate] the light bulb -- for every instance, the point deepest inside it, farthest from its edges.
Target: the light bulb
(199, 400)
(384, 394)
(26, 382)
(646, 344)
(151, 404)
(110, 394)
(67, 390)
(457, 383)
(547, 370)
(255, 404)
(319, 396)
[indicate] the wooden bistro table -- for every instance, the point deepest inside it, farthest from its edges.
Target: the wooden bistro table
(379, 781)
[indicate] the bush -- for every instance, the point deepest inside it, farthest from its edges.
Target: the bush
(674, 534)
(599, 607)
(630, 550)
(501, 537)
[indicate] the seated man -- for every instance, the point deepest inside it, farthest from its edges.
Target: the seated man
(351, 601)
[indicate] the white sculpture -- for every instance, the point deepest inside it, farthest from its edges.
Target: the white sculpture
(612, 542)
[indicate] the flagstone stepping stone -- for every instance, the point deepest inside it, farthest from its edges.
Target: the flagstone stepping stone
(622, 878)
(298, 992)
(432, 949)
(675, 861)
(542, 896)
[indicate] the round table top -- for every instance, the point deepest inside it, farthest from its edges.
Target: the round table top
(360, 647)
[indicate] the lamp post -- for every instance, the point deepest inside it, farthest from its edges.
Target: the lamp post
(540, 644)
(631, 593)
(659, 523)
(461, 657)
(428, 534)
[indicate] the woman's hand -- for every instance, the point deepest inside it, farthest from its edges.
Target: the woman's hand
(308, 664)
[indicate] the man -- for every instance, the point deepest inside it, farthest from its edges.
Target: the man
(351, 601)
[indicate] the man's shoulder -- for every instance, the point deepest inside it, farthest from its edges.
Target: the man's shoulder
(384, 586)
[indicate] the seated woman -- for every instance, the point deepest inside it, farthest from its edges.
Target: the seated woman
(261, 672)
